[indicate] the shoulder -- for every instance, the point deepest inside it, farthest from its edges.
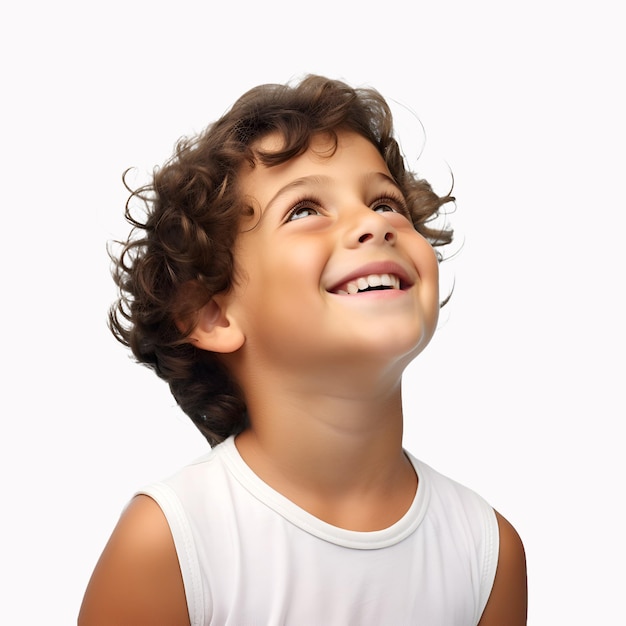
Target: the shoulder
(137, 579)
(507, 603)
(455, 502)
(504, 594)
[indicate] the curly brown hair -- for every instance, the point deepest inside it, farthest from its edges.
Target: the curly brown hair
(180, 253)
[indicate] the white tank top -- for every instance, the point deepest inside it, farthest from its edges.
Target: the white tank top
(249, 556)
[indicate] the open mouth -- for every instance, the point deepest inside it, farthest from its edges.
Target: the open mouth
(371, 282)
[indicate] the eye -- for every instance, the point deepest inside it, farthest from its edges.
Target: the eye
(390, 204)
(384, 208)
(304, 208)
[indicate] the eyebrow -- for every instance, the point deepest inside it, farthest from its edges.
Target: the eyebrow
(320, 180)
(303, 181)
(380, 177)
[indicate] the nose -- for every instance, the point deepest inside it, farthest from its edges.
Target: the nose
(368, 226)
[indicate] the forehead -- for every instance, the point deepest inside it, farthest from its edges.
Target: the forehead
(352, 157)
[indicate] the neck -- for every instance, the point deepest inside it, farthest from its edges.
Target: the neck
(337, 455)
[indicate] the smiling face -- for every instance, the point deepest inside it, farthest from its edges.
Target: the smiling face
(330, 272)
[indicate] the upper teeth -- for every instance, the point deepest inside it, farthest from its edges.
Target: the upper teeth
(373, 280)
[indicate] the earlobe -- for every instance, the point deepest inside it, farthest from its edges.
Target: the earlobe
(215, 331)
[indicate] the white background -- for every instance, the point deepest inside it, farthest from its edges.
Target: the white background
(520, 395)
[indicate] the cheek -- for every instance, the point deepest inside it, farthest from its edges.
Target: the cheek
(299, 264)
(280, 278)
(425, 260)
(427, 265)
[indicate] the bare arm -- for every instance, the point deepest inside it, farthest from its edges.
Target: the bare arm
(508, 601)
(137, 580)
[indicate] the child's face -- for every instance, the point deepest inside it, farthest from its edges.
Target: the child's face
(327, 227)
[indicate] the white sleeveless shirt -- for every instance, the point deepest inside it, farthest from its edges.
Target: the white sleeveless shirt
(249, 556)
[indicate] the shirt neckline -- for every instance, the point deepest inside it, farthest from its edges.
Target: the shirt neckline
(364, 540)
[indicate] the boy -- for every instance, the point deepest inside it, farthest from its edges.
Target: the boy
(284, 281)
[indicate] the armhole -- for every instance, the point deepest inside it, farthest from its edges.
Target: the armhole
(185, 546)
(491, 549)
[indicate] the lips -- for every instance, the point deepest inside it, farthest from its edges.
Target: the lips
(374, 276)
(369, 283)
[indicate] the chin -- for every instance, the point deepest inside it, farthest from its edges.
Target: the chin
(402, 348)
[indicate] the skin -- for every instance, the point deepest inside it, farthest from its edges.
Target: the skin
(321, 371)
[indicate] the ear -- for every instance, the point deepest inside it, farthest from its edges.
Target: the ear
(215, 330)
